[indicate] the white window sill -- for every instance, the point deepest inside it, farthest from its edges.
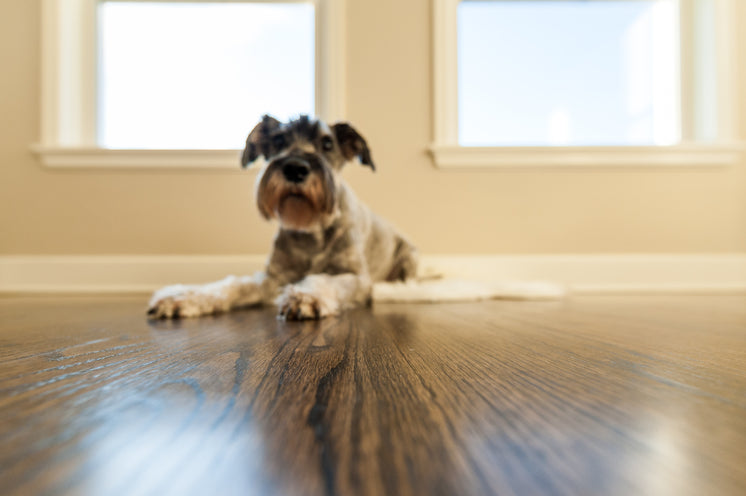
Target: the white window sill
(446, 157)
(59, 157)
(456, 157)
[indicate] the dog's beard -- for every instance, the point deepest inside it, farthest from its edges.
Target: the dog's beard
(297, 207)
(296, 212)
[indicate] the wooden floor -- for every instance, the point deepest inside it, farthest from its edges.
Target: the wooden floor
(592, 395)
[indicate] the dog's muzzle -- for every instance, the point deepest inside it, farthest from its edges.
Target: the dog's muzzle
(298, 189)
(295, 170)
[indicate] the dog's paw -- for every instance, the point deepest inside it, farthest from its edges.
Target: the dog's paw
(174, 302)
(297, 304)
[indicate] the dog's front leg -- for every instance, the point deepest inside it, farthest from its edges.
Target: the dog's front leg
(322, 295)
(203, 299)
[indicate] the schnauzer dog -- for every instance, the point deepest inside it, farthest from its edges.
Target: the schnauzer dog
(330, 248)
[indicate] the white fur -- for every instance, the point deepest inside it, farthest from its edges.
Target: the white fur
(206, 299)
(321, 295)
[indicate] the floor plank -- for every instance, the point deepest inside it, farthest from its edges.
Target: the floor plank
(591, 395)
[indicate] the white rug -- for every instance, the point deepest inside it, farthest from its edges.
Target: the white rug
(444, 290)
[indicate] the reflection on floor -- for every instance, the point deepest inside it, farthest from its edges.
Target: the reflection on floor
(591, 395)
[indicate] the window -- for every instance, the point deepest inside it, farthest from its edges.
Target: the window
(571, 82)
(601, 73)
(196, 75)
(180, 83)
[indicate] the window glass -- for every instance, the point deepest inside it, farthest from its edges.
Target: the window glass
(199, 75)
(568, 73)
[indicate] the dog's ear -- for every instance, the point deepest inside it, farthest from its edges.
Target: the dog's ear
(257, 143)
(352, 144)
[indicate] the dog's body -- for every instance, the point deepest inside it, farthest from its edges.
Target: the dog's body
(330, 248)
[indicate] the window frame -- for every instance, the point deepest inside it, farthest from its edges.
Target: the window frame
(70, 77)
(724, 149)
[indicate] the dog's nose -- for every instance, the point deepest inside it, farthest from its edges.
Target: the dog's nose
(295, 171)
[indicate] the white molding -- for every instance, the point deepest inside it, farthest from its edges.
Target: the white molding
(68, 89)
(116, 274)
(727, 25)
(68, 68)
(445, 71)
(599, 158)
(597, 273)
(106, 158)
(50, 62)
(447, 157)
(331, 59)
(591, 273)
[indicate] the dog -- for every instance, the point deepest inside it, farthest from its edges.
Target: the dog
(329, 248)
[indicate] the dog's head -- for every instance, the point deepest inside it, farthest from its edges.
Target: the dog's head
(298, 183)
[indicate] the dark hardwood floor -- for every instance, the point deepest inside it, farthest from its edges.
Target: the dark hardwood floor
(624, 395)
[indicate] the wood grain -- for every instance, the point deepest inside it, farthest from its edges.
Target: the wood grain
(593, 395)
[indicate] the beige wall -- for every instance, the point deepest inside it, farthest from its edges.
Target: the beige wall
(389, 61)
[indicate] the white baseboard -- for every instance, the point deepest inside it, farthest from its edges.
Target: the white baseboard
(580, 273)
(115, 273)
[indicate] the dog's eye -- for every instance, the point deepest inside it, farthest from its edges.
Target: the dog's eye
(279, 141)
(327, 144)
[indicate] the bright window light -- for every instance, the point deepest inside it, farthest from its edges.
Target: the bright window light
(558, 72)
(199, 75)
